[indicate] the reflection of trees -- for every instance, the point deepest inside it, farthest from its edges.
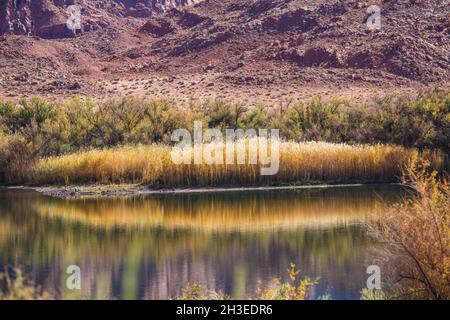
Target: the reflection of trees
(150, 261)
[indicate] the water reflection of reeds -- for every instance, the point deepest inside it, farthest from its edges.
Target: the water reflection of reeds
(218, 213)
(153, 258)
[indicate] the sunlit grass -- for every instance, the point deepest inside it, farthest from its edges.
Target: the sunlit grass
(300, 163)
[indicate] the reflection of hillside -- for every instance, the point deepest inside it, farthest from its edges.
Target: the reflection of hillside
(126, 261)
(235, 212)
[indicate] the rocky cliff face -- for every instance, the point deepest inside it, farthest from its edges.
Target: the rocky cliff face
(226, 48)
(47, 18)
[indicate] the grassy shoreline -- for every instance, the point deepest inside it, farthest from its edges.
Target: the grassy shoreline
(36, 129)
(148, 169)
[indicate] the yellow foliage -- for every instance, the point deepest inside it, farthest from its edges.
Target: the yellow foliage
(300, 163)
(417, 233)
(293, 290)
(14, 286)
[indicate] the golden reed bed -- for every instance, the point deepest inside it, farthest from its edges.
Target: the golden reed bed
(299, 163)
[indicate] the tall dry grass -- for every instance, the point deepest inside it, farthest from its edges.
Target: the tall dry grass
(313, 162)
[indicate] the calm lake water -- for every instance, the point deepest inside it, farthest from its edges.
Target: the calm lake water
(149, 247)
